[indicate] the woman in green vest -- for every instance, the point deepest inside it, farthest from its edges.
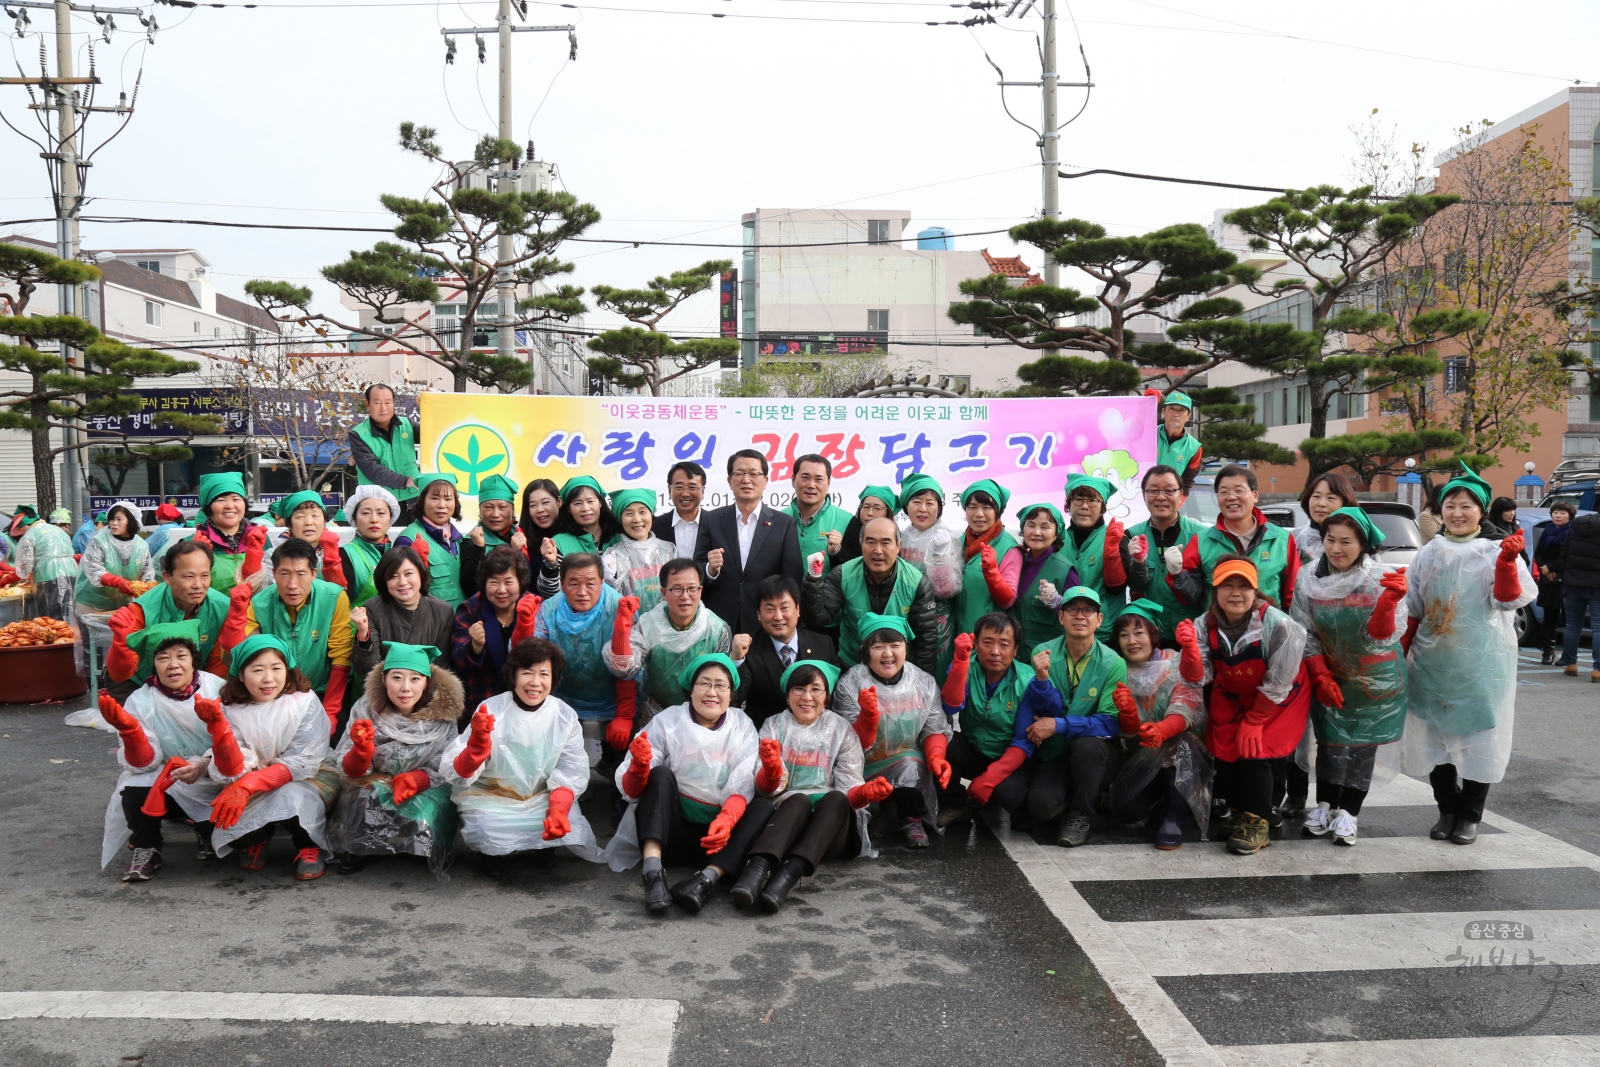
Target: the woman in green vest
(373, 511)
(1044, 573)
(226, 528)
(934, 549)
(497, 525)
(633, 562)
(116, 557)
(585, 523)
(435, 536)
(991, 557)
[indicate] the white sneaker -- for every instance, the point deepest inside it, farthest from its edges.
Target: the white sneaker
(1319, 820)
(1344, 828)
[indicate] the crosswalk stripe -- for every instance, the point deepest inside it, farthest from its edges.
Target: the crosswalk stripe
(1526, 1051)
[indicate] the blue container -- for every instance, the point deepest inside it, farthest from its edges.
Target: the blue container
(936, 239)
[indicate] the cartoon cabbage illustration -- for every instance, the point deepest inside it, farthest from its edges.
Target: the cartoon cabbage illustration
(1115, 466)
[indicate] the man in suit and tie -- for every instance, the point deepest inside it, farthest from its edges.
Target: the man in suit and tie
(680, 527)
(763, 657)
(743, 543)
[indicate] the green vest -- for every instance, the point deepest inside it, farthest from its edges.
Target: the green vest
(1173, 610)
(974, 601)
(1270, 557)
(444, 570)
(1102, 670)
(364, 557)
(853, 582)
(814, 534)
(572, 544)
(97, 597)
(1175, 454)
(1090, 562)
(1041, 623)
(398, 454)
(159, 608)
(307, 635)
(990, 722)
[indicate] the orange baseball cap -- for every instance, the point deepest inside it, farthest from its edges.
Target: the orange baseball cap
(1236, 567)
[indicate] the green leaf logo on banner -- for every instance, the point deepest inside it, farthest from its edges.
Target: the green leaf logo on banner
(472, 452)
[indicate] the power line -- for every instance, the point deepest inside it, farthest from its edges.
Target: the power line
(1179, 181)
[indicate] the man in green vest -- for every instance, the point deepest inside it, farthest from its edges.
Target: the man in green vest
(818, 520)
(878, 583)
(1167, 532)
(185, 592)
(1077, 750)
(1174, 447)
(383, 446)
(309, 615)
(1241, 530)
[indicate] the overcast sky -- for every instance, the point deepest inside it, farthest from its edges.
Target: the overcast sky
(674, 124)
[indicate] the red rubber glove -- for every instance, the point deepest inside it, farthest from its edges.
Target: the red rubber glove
(622, 628)
(983, 787)
(1324, 686)
(870, 792)
(8, 575)
(1127, 709)
(1507, 583)
(556, 823)
(1190, 664)
(1156, 734)
(136, 747)
(117, 582)
(1411, 631)
(933, 750)
(420, 547)
(999, 591)
(255, 546)
(408, 784)
(769, 775)
(527, 615)
(122, 662)
(224, 745)
(358, 761)
(332, 569)
(155, 802)
(620, 729)
(1380, 627)
(955, 683)
(866, 723)
(333, 697)
(637, 776)
(716, 838)
(1250, 739)
(478, 749)
(229, 805)
(1153, 392)
(233, 627)
(1112, 570)
(1139, 548)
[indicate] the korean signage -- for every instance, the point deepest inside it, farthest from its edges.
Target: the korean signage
(1027, 445)
(728, 303)
(278, 412)
(146, 422)
(146, 503)
(822, 344)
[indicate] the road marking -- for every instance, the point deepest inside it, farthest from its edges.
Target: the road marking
(1527, 1051)
(641, 1030)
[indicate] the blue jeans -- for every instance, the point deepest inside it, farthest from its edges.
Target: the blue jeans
(1580, 602)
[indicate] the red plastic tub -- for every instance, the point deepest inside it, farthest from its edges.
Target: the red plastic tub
(36, 673)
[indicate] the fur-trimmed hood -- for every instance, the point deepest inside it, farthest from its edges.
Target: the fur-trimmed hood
(448, 696)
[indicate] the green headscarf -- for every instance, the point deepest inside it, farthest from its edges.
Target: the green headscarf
(1029, 509)
(246, 649)
(580, 482)
(686, 676)
(24, 516)
(1468, 479)
(1089, 481)
(880, 492)
(918, 483)
(402, 657)
(1180, 399)
(497, 487)
(871, 623)
(218, 484)
(293, 502)
(1148, 610)
(145, 642)
(60, 515)
(999, 493)
(425, 480)
(622, 498)
(1371, 536)
(830, 673)
(1082, 592)
(340, 517)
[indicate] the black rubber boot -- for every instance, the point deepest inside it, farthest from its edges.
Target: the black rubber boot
(779, 885)
(656, 899)
(757, 870)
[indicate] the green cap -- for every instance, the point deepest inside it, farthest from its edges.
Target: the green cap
(580, 482)
(497, 487)
(622, 498)
(295, 501)
(425, 480)
(245, 650)
(1468, 479)
(918, 483)
(830, 673)
(1055, 513)
(402, 657)
(145, 642)
(103, 517)
(1180, 399)
(218, 484)
(1081, 592)
(999, 493)
(872, 622)
(879, 492)
(686, 676)
(1371, 536)
(340, 517)
(60, 515)
(1089, 481)
(1148, 610)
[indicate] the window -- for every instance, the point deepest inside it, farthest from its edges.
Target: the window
(877, 231)
(197, 327)
(151, 265)
(1455, 374)
(152, 313)
(250, 337)
(878, 319)
(1455, 269)
(216, 331)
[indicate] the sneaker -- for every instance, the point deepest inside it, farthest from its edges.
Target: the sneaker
(1074, 830)
(1250, 835)
(914, 834)
(1169, 835)
(1547, 657)
(254, 857)
(1319, 820)
(144, 864)
(350, 863)
(308, 864)
(1344, 828)
(203, 850)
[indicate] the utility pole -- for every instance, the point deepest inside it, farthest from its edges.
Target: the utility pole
(1050, 138)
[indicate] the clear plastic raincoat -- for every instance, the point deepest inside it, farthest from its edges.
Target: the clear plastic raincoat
(661, 652)
(817, 760)
(173, 730)
(587, 685)
(44, 557)
(710, 766)
(909, 712)
(1463, 661)
(503, 803)
(1308, 539)
(1160, 690)
(1265, 665)
(936, 552)
(107, 554)
(1334, 609)
(633, 568)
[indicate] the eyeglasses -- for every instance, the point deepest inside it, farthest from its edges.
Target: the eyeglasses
(708, 686)
(1227, 494)
(1163, 492)
(1079, 609)
(682, 590)
(745, 476)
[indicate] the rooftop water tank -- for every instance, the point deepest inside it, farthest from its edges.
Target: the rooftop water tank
(935, 239)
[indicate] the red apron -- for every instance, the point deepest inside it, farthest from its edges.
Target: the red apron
(1234, 693)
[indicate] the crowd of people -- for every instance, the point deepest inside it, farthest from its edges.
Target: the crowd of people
(757, 692)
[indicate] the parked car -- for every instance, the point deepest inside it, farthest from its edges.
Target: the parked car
(1534, 522)
(1580, 493)
(1401, 537)
(1201, 503)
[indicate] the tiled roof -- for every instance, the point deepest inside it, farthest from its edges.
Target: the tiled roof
(167, 288)
(249, 314)
(1012, 267)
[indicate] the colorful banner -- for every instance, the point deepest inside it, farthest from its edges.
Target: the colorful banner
(1027, 445)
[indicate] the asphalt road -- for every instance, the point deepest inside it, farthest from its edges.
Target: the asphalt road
(990, 947)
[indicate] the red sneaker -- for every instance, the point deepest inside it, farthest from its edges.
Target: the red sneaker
(308, 864)
(254, 857)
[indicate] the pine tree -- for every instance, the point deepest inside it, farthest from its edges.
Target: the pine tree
(643, 357)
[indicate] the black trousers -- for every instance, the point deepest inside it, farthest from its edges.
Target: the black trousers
(146, 829)
(1075, 781)
(1290, 781)
(967, 762)
(826, 831)
(660, 818)
(1158, 798)
(1248, 784)
(297, 834)
(907, 803)
(1461, 797)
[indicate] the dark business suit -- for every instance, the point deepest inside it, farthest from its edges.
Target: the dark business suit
(759, 690)
(662, 527)
(775, 549)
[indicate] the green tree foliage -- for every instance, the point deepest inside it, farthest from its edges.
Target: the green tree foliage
(1376, 452)
(643, 357)
(1053, 375)
(1228, 429)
